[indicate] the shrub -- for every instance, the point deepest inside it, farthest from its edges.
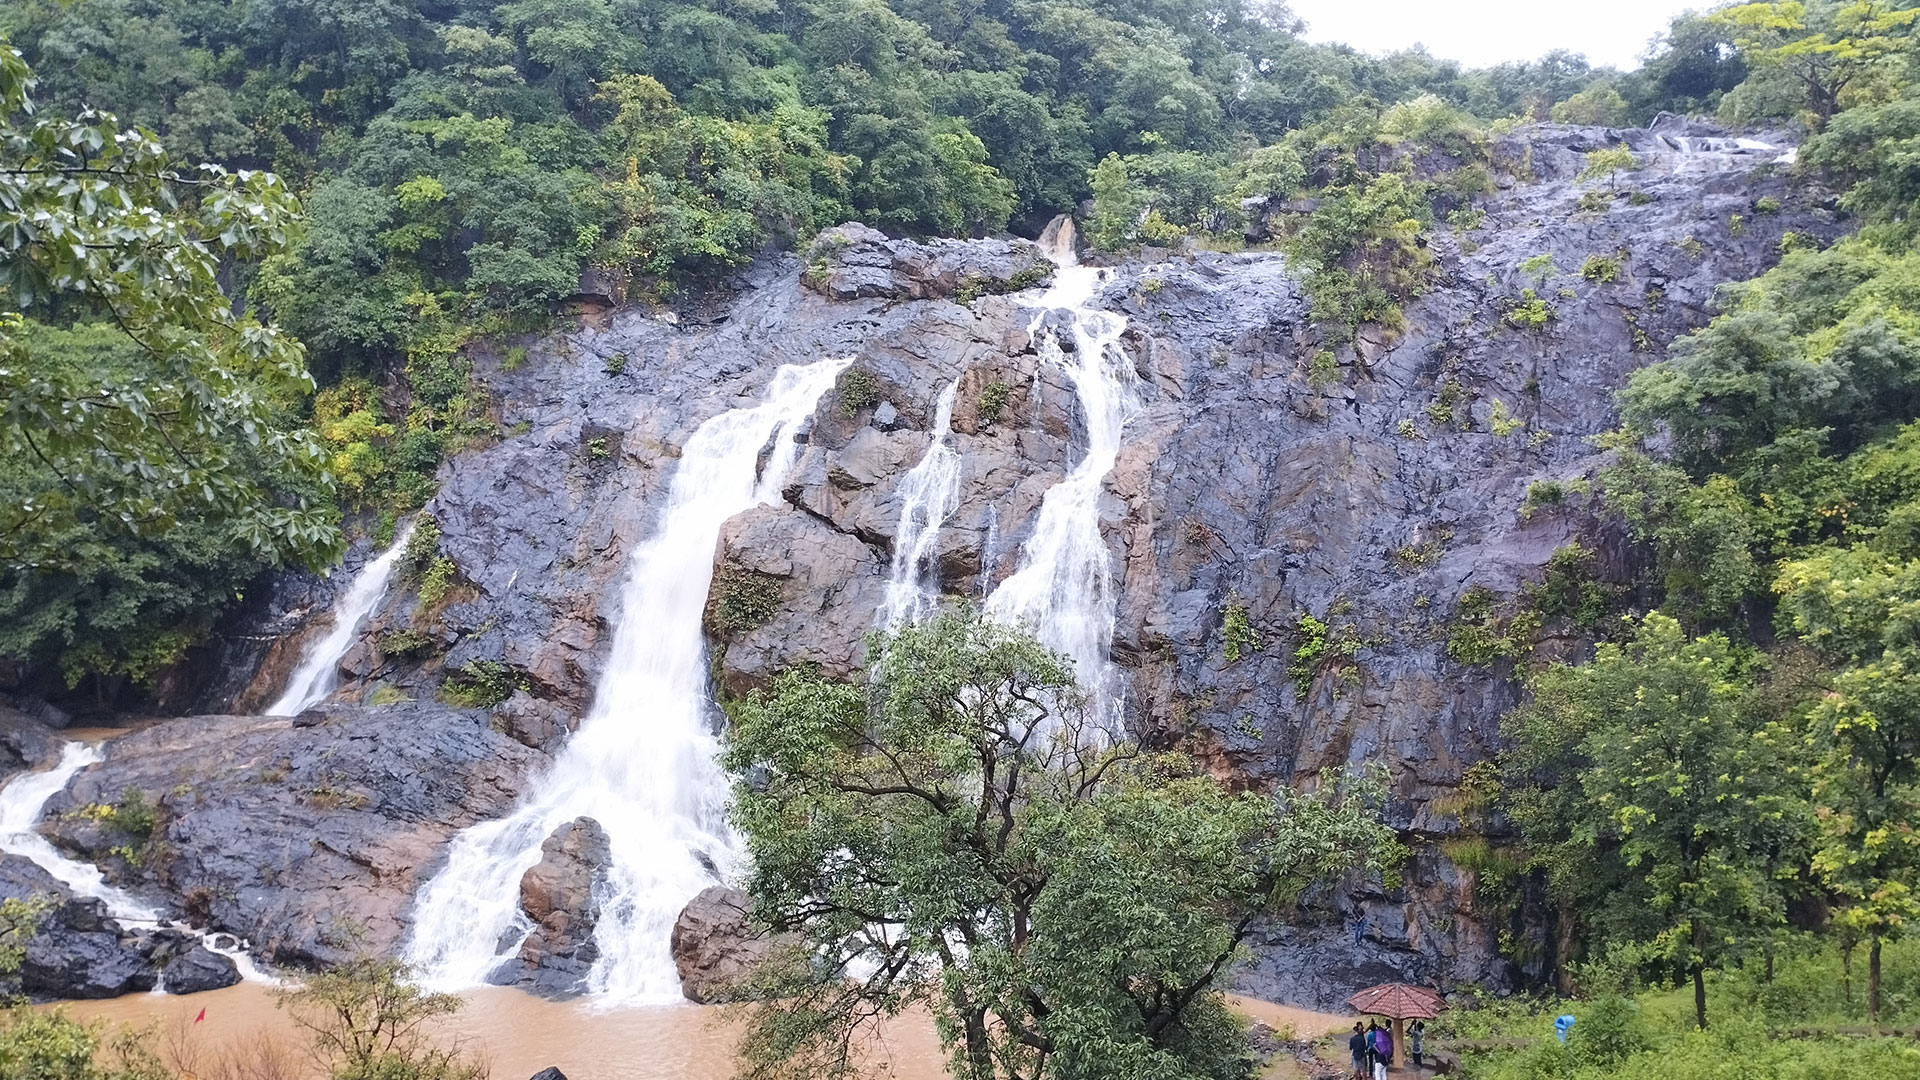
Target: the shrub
(1608, 164)
(1540, 495)
(1324, 371)
(481, 684)
(742, 600)
(1322, 646)
(1600, 269)
(858, 390)
(1237, 629)
(1529, 311)
(1502, 422)
(409, 643)
(436, 581)
(993, 401)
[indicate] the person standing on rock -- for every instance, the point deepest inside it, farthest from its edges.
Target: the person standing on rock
(1359, 1045)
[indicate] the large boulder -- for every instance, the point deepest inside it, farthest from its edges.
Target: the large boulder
(308, 841)
(714, 945)
(80, 953)
(197, 969)
(561, 895)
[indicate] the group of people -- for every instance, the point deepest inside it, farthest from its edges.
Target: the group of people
(1373, 1048)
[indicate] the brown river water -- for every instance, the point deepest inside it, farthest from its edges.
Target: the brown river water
(518, 1035)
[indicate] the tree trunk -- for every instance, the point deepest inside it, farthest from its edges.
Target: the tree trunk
(1700, 996)
(1699, 978)
(1873, 981)
(1846, 970)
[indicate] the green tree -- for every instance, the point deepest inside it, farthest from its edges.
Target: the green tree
(1825, 48)
(1863, 609)
(953, 835)
(1650, 755)
(368, 1021)
(159, 413)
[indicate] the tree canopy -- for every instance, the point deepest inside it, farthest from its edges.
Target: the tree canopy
(953, 833)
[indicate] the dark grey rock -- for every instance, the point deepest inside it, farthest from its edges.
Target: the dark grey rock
(307, 841)
(853, 261)
(197, 969)
(60, 962)
(551, 1072)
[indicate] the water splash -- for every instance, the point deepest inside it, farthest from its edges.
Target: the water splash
(1063, 589)
(642, 763)
(319, 671)
(928, 494)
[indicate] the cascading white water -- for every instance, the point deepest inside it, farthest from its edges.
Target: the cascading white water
(1063, 588)
(21, 802)
(928, 493)
(319, 670)
(642, 763)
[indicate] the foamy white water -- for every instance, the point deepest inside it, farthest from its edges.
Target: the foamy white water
(319, 672)
(929, 493)
(643, 762)
(21, 803)
(1063, 589)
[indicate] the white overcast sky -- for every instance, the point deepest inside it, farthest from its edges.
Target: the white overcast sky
(1479, 33)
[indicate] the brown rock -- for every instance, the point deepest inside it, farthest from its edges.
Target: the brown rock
(558, 894)
(714, 945)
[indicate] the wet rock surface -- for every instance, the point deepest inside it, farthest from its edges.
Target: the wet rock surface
(714, 946)
(306, 841)
(198, 968)
(560, 894)
(76, 951)
(1372, 488)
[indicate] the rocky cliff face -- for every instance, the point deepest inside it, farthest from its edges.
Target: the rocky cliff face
(1269, 475)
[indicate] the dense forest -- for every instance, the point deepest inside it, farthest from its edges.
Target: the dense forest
(254, 316)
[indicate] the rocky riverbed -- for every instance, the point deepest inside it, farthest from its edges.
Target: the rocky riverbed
(1270, 472)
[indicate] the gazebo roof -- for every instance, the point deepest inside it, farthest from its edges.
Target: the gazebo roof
(1399, 1001)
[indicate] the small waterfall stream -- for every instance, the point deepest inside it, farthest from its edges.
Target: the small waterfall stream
(22, 802)
(1063, 587)
(319, 671)
(643, 762)
(928, 494)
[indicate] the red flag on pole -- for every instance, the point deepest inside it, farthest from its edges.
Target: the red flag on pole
(202, 1016)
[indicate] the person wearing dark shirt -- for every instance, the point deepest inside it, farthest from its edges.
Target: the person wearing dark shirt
(1359, 1044)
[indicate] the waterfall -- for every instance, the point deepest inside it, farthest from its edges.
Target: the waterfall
(928, 493)
(1063, 588)
(643, 762)
(319, 671)
(21, 802)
